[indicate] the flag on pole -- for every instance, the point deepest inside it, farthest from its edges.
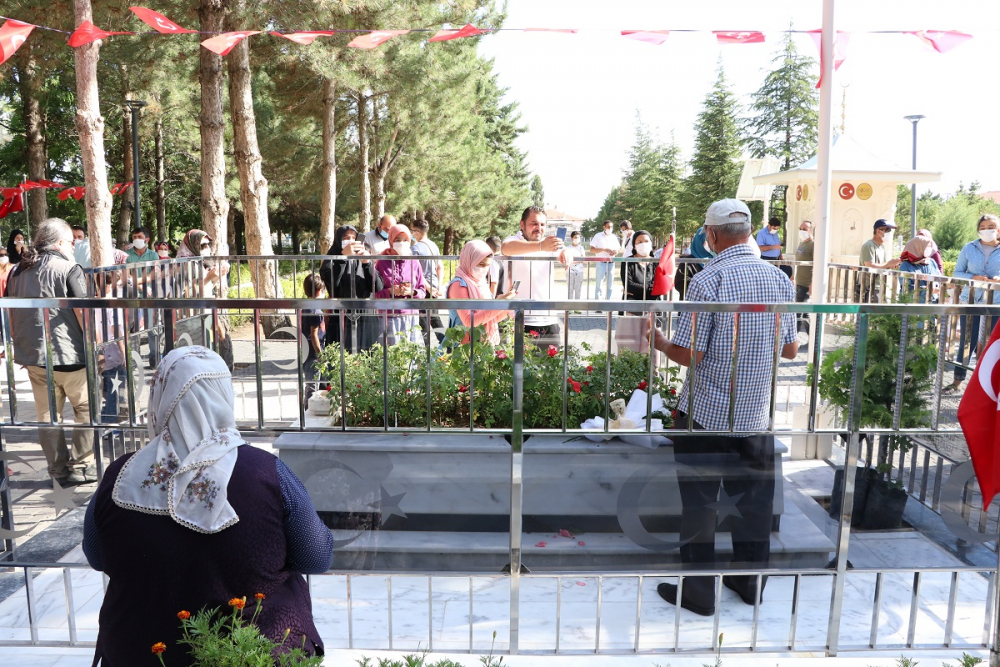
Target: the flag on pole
(12, 204)
(979, 416)
(12, 35)
(840, 42)
(663, 280)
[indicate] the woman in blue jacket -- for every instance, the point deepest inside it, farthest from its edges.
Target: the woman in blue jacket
(980, 261)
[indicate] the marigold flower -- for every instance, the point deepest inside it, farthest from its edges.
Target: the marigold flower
(553, 350)
(259, 596)
(239, 603)
(159, 647)
(183, 615)
(643, 385)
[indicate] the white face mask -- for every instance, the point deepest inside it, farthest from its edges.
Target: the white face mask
(576, 241)
(163, 254)
(401, 247)
(803, 235)
(480, 272)
(887, 238)
(19, 243)
(988, 235)
(643, 249)
(206, 252)
(607, 232)
(4, 260)
(139, 244)
(346, 242)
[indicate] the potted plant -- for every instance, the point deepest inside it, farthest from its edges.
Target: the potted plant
(879, 501)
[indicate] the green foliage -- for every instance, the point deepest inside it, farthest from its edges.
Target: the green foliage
(537, 191)
(955, 223)
(652, 184)
(969, 660)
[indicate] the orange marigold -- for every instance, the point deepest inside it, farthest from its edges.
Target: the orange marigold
(259, 596)
(159, 647)
(183, 615)
(239, 603)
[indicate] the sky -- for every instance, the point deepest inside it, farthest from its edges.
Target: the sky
(579, 93)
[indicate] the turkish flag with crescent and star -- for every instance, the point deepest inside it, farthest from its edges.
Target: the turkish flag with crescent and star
(663, 278)
(12, 35)
(979, 415)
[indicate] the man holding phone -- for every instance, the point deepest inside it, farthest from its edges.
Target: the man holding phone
(535, 277)
(605, 245)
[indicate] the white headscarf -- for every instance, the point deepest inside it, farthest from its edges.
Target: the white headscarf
(184, 471)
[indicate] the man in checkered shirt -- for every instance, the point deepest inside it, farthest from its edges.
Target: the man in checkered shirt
(741, 465)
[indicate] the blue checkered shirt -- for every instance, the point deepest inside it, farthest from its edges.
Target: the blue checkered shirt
(734, 276)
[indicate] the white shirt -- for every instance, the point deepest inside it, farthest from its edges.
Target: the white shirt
(627, 244)
(374, 242)
(536, 282)
(604, 241)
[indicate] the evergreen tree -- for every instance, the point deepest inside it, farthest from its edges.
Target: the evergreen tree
(651, 187)
(537, 191)
(715, 165)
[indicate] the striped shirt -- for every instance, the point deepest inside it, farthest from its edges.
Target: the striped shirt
(734, 276)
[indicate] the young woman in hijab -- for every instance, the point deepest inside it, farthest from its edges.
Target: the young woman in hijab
(637, 277)
(472, 281)
(351, 275)
(5, 268)
(198, 517)
(15, 245)
(935, 252)
(194, 244)
(917, 257)
(401, 279)
(687, 270)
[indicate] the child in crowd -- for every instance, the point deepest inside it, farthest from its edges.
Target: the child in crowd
(574, 274)
(313, 331)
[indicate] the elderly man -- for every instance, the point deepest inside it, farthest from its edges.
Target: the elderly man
(48, 271)
(741, 466)
(804, 274)
(536, 276)
(377, 239)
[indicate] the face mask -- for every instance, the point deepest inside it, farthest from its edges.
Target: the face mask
(607, 232)
(576, 241)
(803, 235)
(988, 235)
(4, 260)
(480, 272)
(384, 235)
(643, 249)
(928, 251)
(77, 242)
(401, 247)
(139, 244)
(888, 237)
(164, 254)
(19, 243)
(346, 242)
(206, 252)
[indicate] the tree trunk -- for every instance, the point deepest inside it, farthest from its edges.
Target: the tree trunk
(383, 164)
(34, 136)
(449, 240)
(122, 235)
(296, 247)
(231, 231)
(366, 186)
(90, 125)
(214, 205)
(161, 198)
(253, 185)
(328, 217)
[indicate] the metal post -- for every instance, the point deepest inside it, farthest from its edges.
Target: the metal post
(135, 106)
(516, 469)
(821, 239)
(913, 186)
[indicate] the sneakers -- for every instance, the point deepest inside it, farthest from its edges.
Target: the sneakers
(77, 477)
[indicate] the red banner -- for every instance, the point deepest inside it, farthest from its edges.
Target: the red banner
(979, 416)
(656, 37)
(305, 37)
(468, 31)
(88, 32)
(739, 37)
(941, 41)
(839, 50)
(159, 22)
(77, 192)
(224, 43)
(11, 204)
(120, 188)
(12, 35)
(375, 38)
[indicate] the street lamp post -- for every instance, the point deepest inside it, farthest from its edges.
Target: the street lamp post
(913, 186)
(135, 106)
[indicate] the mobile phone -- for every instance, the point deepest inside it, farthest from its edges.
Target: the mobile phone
(515, 286)
(561, 234)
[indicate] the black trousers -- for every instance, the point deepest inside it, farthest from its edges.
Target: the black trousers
(743, 469)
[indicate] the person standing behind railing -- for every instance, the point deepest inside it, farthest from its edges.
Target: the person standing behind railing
(770, 244)
(351, 275)
(197, 242)
(433, 275)
(804, 274)
(401, 279)
(637, 277)
(141, 252)
(15, 245)
(979, 261)
(313, 333)
(5, 268)
(916, 258)
(472, 282)
(497, 272)
(574, 274)
(935, 252)
(875, 254)
(604, 246)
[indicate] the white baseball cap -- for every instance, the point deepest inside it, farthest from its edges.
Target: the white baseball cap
(727, 211)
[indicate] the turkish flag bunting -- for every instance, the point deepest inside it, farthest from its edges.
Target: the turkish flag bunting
(570, 30)
(304, 37)
(468, 31)
(839, 50)
(751, 37)
(11, 204)
(224, 43)
(941, 41)
(88, 32)
(12, 35)
(76, 192)
(159, 22)
(375, 38)
(119, 188)
(30, 185)
(50, 184)
(649, 36)
(663, 279)
(978, 414)
(7, 192)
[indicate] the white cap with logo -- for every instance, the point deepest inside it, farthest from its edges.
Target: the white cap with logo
(727, 211)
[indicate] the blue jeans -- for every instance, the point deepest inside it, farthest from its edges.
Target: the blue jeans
(968, 329)
(604, 270)
(112, 398)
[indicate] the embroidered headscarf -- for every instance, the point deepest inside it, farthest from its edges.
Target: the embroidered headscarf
(395, 231)
(917, 251)
(184, 471)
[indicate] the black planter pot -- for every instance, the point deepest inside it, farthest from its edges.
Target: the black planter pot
(884, 509)
(863, 478)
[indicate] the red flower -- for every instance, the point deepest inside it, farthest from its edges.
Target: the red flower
(358, 386)
(533, 333)
(586, 384)
(573, 383)
(239, 603)
(183, 615)
(590, 369)
(553, 350)
(462, 388)
(500, 354)
(673, 392)
(259, 596)
(159, 647)
(643, 385)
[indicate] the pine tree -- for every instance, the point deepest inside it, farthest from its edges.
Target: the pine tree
(651, 187)
(537, 191)
(715, 165)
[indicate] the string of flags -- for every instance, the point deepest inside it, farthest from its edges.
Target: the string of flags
(14, 33)
(12, 200)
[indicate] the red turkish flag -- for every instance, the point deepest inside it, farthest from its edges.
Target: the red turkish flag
(375, 38)
(88, 32)
(76, 192)
(224, 43)
(50, 184)
(649, 36)
(304, 37)
(468, 31)
(159, 22)
(11, 204)
(7, 192)
(941, 41)
(30, 185)
(119, 188)
(12, 35)
(839, 50)
(978, 414)
(748, 37)
(663, 279)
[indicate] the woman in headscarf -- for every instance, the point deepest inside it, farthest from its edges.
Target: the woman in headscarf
(401, 279)
(687, 270)
(351, 275)
(194, 244)
(935, 252)
(15, 245)
(198, 517)
(917, 258)
(637, 277)
(472, 281)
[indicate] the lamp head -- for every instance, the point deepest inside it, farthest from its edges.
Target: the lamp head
(914, 119)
